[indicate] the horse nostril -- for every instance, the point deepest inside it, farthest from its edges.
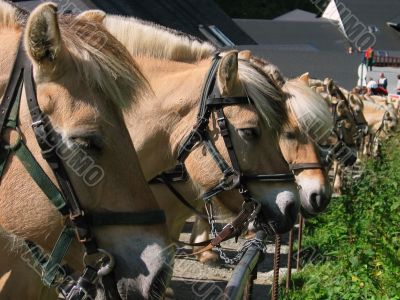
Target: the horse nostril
(291, 210)
(318, 201)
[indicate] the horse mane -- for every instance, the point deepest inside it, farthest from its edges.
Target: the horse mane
(310, 109)
(143, 38)
(102, 62)
(11, 15)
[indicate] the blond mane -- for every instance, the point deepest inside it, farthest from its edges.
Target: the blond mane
(143, 38)
(104, 64)
(310, 109)
(266, 95)
(11, 15)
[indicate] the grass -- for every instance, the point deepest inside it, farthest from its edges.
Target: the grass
(355, 245)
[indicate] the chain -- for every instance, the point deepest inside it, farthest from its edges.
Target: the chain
(259, 244)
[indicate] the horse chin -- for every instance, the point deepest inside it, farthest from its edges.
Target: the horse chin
(307, 214)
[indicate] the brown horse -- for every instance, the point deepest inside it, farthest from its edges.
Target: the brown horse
(83, 89)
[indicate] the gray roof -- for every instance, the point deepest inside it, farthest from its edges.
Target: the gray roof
(338, 65)
(298, 15)
(322, 35)
(75, 6)
(375, 13)
(182, 15)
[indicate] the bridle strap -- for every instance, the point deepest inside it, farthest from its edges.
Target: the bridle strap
(284, 177)
(306, 166)
(181, 198)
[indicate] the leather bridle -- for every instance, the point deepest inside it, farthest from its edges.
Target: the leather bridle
(233, 178)
(340, 151)
(98, 263)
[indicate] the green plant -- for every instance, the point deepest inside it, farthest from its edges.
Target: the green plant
(359, 236)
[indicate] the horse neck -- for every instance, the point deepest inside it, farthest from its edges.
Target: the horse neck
(160, 121)
(8, 52)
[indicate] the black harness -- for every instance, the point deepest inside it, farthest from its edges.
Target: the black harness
(233, 178)
(98, 263)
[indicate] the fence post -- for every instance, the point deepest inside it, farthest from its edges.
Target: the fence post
(277, 259)
(300, 237)
(289, 264)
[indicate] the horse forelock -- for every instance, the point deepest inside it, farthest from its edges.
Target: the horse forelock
(309, 108)
(102, 62)
(267, 97)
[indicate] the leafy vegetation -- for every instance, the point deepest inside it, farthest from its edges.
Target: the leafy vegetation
(266, 9)
(358, 239)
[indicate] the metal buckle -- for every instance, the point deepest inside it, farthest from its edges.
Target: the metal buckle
(231, 179)
(37, 123)
(103, 261)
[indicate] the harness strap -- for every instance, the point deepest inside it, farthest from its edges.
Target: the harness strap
(40, 177)
(151, 217)
(219, 101)
(303, 166)
(284, 177)
(181, 198)
(51, 268)
(224, 130)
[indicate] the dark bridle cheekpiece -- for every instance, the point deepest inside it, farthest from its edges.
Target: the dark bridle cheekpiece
(98, 263)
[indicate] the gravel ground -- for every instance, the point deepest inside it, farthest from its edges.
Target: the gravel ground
(194, 280)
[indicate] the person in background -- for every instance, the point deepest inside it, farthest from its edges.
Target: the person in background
(369, 57)
(382, 81)
(350, 50)
(398, 85)
(371, 86)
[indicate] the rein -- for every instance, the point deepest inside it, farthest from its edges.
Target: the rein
(98, 263)
(233, 178)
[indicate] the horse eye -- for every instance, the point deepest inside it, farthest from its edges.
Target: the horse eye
(89, 143)
(289, 135)
(249, 134)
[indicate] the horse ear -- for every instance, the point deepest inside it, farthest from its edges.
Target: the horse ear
(341, 107)
(245, 55)
(305, 78)
(42, 36)
(227, 73)
(94, 15)
(329, 86)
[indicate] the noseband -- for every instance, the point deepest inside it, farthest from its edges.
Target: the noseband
(98, 263)
(233, 178)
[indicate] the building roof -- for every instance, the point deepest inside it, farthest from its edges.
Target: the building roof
(298, 15)
(367, 14)
(182, 15)
(320, 36)
(340, 66)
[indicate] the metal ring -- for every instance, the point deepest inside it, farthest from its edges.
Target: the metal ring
(99, 261)
(18, 141)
